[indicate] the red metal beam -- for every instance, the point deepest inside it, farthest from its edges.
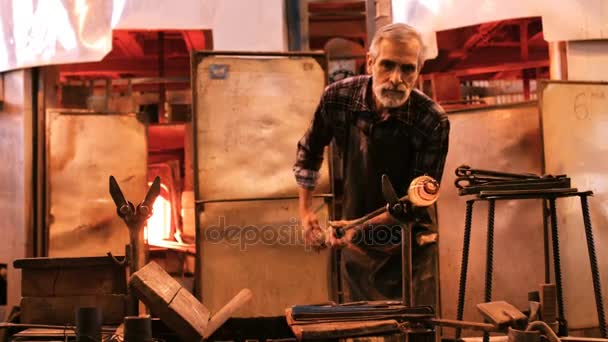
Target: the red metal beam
(350, 6)
(127, 43)
(502, 67)
(338, 18)
(483, 34)
(195, 40)
(537, 36)
(523, 39)
(352, 29)
(146, 66)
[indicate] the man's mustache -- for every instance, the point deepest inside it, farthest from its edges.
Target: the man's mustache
(400, 87)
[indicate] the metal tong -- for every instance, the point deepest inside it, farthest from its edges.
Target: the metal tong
(135, 217)
(483, 183)
(467, 176)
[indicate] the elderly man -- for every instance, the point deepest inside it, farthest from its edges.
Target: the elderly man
(381, 125)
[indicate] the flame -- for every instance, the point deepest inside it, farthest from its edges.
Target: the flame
(159, 224)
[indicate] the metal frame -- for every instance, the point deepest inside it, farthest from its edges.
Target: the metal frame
(485, 108)
(550, 197)
(447, 295)
(196, 57)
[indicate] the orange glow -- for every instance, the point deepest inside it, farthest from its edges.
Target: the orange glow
(159, 225)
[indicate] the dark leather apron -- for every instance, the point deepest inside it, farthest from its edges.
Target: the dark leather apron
(371, 268)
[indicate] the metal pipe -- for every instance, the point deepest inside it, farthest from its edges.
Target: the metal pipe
(406, 265)
(595, 272)
(464, 264)
(489, 258)
(557, 260)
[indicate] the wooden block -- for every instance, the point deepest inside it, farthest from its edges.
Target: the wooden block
(343, 329)
(548, 303)
(61, 310)
(502, 314)
(36, 333)
(463, 324)
(220, 317)
(50, 277)
(173, 304)
(99, 280)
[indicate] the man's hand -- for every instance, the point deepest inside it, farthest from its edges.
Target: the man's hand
(313, 233)
(336, 228)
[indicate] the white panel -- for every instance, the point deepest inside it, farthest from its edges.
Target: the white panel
(575, 122)
(586, 20)
(259, 245)
(248, 124)
(252, 25)
(588, 60)
(163, 14)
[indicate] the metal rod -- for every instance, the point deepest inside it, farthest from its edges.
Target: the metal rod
(467, 171)
(161, 73)
(490, 252)
(464, 264)
(489, 258)
(546, 242)
(595, 273)
(6, 325)
(557, 260)
(406, 265)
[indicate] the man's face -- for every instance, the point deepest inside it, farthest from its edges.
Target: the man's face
(394, 71)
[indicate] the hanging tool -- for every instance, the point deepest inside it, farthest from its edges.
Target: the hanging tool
(135, 217)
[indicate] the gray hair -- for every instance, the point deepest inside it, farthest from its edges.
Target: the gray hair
(398, 32)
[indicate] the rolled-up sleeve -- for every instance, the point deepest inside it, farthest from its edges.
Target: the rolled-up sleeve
(310, 149)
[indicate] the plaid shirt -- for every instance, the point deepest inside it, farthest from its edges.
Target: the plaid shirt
(344, 99)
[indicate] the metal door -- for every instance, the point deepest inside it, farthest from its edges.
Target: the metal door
(250, 111)
(83, 150)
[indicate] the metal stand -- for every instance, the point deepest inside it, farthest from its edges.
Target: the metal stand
(551, 198)
(406, 265)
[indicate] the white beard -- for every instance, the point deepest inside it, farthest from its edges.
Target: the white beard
(392, 99)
